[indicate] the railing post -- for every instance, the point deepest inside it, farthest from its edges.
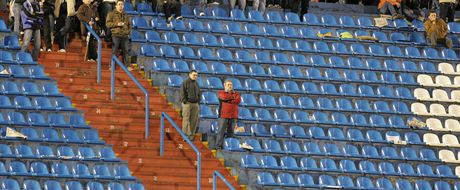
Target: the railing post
(147, 113)
(214, 180)
(162, 131)
(99, 51)
(112, 78)
(198, 172)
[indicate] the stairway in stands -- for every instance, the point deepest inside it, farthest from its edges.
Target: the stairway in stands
(121, 122)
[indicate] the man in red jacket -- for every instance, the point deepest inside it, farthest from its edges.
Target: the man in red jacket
(228, 112)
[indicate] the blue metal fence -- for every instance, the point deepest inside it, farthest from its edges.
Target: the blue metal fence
(114, 61)
(214, 180)
(198, 154)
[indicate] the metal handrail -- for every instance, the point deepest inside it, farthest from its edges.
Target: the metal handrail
(198, 154)
(214, 180)
(114, 61)
(99, 49)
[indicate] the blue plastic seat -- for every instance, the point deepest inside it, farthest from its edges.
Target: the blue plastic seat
(311, 19)
(295, 72)
(171, 38)
(196, 25)
(399, 38)
(139, 23)
(244, 56)
(365, 183)
(365, 22)
(355, 63)
(312, 148)
(356, 135)
(101, 172)
(310, 88)
(384, 183)
(179, 25)
(351, 151)
(122, 172)
(282, 116)
(328, 165)
(224, 55)
(340, 119)
(333, 75)
(228, 41)
(292, 147)
(431, 53)
(425, 170)
(309, 164)
(347, 21)
(413, 52)
(301, 116)
(263, 115)
(409, 154)
(453, 27)
(93, 185)
(406, 169)
(441, 185)
(52, 185)
(271, 31)
(45, 152)
(253, 30)
(216, 27)
(382, 107)
(351, 76)
(256, 16)
(306, 181)
(263, 57)
(267, 101)
(274, 17)
(289, 163)
(297, 132)
(23, 58)
(237, 14)
(269, 162)
(329, 20)
(232, 144)
(417, 38)
(321, 117)
(10, 184)
(336, 134)
(284, 44)
(308, 32)
(245, 114)
(348, 166)
(24, 151)
(292, 18)
(272, 146)
(18, 71)
(60, 170)
(406, 78)
(191, 39)
(153, 36)
(332, 150)
(290, 32)
(149, 50)
(367, 167)
(325, 104)
(326, 181)
(272, 86)
(317, 132)
(321, 47)
(253, 84)
(314, 74)
(219, 13)
(199, 66)
(397, 122)
(206, 112)
(73, 185)
(259, 130)
(428, 67)
(299, 59)
(409, 66)
(266, 179)
(18, 168)
(16, 118)
(39, 169)
(277, 72)
(86, 153)
(358, 49)
(161, 65)
(210, 40)
(445, 171)
(291, 87)
(422, 184)
(82, 171)
(249, 161)
(363, 106)
(369, 151)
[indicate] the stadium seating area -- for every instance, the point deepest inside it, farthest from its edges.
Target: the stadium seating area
(59, 150)
(320, 111)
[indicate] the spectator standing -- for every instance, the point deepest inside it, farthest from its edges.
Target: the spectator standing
(170, 7)
(259, 5)
(87, 13)
(228, 112)
(436, 31)
(120, 27)
(32, 19)
(190, 96)
(447, 10)
(411, 10)
(241, 4)
(64, 10)
(48, 23)
(106, 7)
(17, 6)
(392, 7)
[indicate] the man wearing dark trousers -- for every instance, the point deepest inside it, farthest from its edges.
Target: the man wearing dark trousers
(119, 25)
(190, 96)
(447, 10)
(172, 7)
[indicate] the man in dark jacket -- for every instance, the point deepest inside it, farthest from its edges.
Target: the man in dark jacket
(32, 20)
(228, 112)
(190, 95)
(120, 27)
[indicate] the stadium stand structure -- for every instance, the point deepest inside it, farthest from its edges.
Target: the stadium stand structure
(320, 111)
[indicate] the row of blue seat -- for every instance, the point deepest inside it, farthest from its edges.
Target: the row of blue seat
(60, 170)
(335, 134)
(347, 167)
(312, 148)
(63, 153)
(292, 87)
(18, 71)
(263, 55)
(276, 17)
(21, 58)
(302, 117)
(286, 180)
(38, 120)
(89, 136)
(38, 103)
(32, 184)
(287, 102)
(295, 69)
(27, 88)
(201, 34)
